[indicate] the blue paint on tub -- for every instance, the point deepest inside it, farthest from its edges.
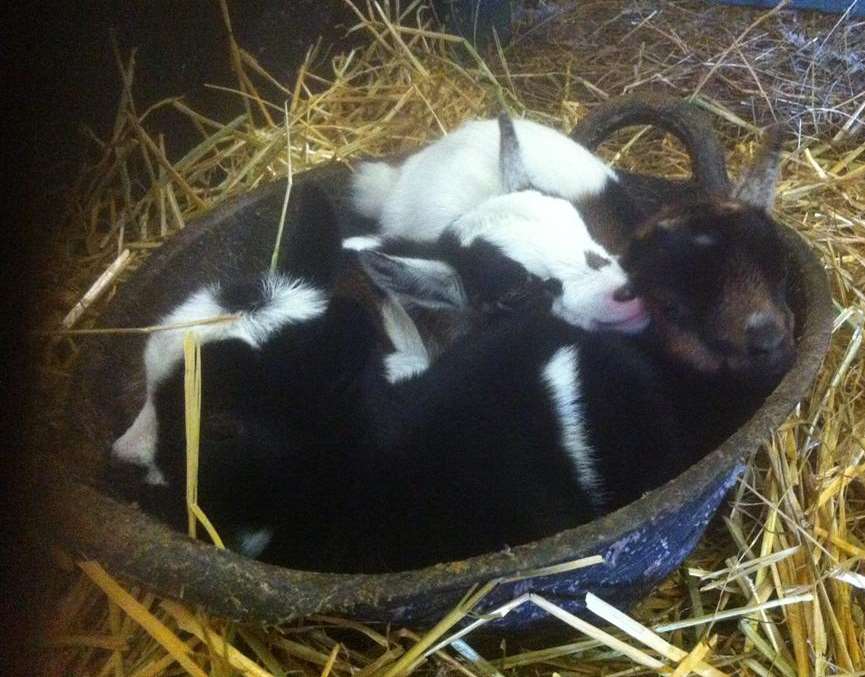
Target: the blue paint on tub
(855, 7)
(634, 565)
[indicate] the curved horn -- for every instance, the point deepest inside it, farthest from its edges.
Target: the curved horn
(683, 120)
(756, 186)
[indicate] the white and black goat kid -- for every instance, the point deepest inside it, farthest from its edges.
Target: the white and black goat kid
(280, 357)
(311, 457)
(419, 198)
(516, 243)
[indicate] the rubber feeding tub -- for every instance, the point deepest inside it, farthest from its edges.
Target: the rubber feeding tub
(640, 543)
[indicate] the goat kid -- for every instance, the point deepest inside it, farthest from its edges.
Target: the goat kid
(525, 241)
(420, 198)
(713, 271)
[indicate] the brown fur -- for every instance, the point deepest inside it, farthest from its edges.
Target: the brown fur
(704, 270)
(685, 347)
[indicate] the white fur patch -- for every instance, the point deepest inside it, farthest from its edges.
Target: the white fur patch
(370, 186)
(283, 301)
(403, 366)
(453, 175)
(155, 477)
(410, 356)
(251, 543)
(138, 443)
(361, 242)
(561, 375)
(548, 237)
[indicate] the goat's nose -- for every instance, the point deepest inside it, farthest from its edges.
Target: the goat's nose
(624, 294)
(764, 336)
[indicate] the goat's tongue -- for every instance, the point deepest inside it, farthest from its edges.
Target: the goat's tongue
(631, 323)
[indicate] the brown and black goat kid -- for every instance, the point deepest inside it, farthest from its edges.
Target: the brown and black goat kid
(709, 264)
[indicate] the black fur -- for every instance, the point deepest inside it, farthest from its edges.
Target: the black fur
(308, 250)
(611, 216)
(304, 436)
(241, 296)
(351, 473)
(493, 281)
(354, 474)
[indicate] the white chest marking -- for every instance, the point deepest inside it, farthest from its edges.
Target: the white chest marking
(561, 375)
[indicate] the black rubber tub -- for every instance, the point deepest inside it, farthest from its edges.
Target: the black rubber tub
(641, 543)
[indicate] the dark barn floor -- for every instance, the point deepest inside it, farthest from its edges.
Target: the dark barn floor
(179, 47)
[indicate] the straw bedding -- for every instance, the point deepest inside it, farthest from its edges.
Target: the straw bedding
(775, 587)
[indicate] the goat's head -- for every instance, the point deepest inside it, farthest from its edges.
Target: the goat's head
(714, 277)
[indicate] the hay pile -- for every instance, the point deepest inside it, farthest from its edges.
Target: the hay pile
(791, 542)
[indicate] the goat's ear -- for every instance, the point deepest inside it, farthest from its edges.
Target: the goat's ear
(426, 283)
(512, 170)
(756, 186)
(313, 249)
